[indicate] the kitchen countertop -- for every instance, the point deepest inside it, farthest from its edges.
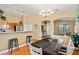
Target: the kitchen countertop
(15, 32)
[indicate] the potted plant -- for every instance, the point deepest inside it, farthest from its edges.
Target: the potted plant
(75, 39)
(1, 12)
(3, 18)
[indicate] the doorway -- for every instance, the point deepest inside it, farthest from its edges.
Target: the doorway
(45, 28)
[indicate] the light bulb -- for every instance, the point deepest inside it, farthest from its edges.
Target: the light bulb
(44, 14)
(48, 14)
(22, 13)
(51, 12)
(48, 10)
(42, 11)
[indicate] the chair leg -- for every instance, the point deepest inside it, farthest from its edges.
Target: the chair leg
(9, 47)
(11, 50)
(18, 48)
(18, 45)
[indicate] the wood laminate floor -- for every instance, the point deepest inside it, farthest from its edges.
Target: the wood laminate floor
(25, 51)
(22, 51)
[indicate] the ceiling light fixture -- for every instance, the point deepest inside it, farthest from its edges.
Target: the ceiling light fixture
(47, 12)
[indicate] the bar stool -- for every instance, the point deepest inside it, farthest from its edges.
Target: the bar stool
(29, 39)
(13, 43)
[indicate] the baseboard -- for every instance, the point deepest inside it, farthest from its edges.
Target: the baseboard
(2, 52)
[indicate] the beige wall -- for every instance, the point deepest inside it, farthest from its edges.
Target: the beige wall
(12, 18)
(35, 20)
(4, 38)
(77, 28)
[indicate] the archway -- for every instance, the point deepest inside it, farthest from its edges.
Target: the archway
(64, 26)
(45, 28)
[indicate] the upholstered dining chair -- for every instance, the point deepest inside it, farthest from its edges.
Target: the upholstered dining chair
(67, 51)
(34, 50)
(70, 49)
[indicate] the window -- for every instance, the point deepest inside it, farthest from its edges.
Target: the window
(63, 27)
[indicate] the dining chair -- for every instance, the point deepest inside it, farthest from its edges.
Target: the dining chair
(67, 51)
(35, 50)
(60, 41)
(70, 49)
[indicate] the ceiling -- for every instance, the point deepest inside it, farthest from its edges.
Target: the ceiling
(34, 9)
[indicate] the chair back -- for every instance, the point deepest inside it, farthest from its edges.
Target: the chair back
(13, 42)
(29, 39)
(70, 49)
(60, 41)
(34, 50)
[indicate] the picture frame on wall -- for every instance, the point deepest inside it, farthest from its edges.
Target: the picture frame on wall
(35, 26)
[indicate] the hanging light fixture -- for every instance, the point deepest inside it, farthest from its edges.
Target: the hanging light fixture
(47, 12)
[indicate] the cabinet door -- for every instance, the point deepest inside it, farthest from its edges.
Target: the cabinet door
(27, 27)
(19, 28)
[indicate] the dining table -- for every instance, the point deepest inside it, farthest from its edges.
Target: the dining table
(49, 46)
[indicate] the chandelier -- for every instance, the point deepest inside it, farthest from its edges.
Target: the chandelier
(47, 12)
